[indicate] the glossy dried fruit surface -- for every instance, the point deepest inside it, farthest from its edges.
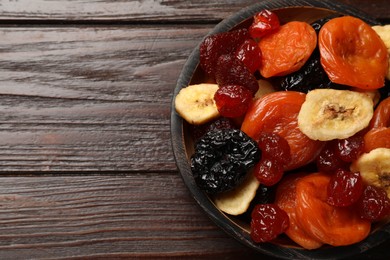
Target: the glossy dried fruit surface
(344, 188)
(328, 161)
(216, 45)
(268, 222)
(352, 53)
(277, 113)
(264, 22)
(249, 53)
(268, 171)
(220, 123)
(374, 204)
(350, 148)
(336, 226)
(286, 200)
(232, 100)
(222, 158)
(231, 71)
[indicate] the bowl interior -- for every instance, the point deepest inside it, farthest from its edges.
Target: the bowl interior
(183, 144)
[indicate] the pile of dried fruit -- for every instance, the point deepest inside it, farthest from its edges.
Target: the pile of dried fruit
(298, 115)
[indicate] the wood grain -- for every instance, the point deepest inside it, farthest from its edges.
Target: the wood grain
(90, 98)
(109, 216)
(146, 215)
(202, 11)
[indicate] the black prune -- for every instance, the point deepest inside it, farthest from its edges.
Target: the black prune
(222, 158)
(219, 123)
(310, 76)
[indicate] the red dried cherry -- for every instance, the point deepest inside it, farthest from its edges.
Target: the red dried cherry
(328, 161)
(275, 146)
(231, 71)
(344, 188)
(268, 171)
(268, 221)
(232, 100)
(249, 53)
(264, 23)
(350, 148)
(216, 45)
(374, 204)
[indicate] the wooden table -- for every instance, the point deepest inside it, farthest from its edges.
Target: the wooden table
(87, 169)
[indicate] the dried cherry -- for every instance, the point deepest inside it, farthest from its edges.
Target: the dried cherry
(216, 45)
(264, 22)
(374, 204)
(344, 188)
(350, 148)
(231, 71)
(328, 161)
(249, 53)
(268, 221)
(222, 158)
(232, 100)
(268, 171)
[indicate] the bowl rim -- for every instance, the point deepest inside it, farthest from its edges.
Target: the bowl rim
(178, 144)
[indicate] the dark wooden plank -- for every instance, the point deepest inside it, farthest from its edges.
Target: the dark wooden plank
(148, 10)
(107, 216)
(147, 215)
(90, 98)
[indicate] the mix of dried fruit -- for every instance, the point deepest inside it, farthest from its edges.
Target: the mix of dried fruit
(295, 127)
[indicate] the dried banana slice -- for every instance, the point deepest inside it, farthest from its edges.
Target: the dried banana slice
(196, 104)
(237, 201)
(384, 33)
(329, 114)
(374, 167)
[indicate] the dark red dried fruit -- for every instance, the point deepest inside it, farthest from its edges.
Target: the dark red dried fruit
(276, 147)
(328, 161)
(268, 221)
(268, 171)
(344, 188)
(231, 71)
(249, 53)
(350, 148)
(264, 22)
(232, 100)
(216, 45)
(374, 205)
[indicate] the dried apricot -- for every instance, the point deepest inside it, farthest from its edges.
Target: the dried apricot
(285, 199)
(352, 53)
(277, 112)
(287, 50)
(379, 133)
(336, 226)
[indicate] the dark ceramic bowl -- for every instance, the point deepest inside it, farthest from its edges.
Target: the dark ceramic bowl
(183, 145)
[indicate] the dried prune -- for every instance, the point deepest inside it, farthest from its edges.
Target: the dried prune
(219, 123)
(309, 77)
(222, 158)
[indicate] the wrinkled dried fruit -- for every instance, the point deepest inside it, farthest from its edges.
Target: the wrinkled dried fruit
(328, 161)
(374, 204)
(232, 100)
(231, 71)
(216, 45)
(220, 123)
(222, 158)
(268, 221)
(268, 171)
(344, 188)
(249, 53)
(264, 22)
(350, 148)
